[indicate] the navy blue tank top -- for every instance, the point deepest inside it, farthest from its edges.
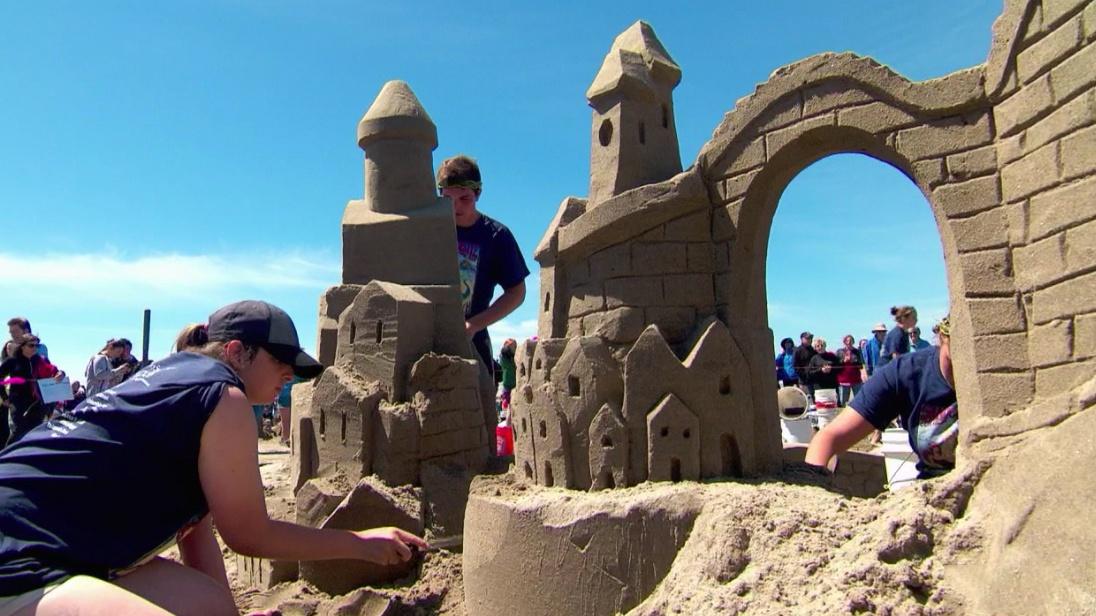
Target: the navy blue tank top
(96, 491)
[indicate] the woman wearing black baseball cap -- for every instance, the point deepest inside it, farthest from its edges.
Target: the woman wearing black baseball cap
(87, 500)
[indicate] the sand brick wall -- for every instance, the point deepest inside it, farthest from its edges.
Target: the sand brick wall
(1046, 119)
(1003, 152)
(663, 277)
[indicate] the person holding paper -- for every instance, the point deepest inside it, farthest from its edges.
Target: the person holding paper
(23, 401)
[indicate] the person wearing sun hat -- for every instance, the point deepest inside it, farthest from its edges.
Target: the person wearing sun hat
(88, 499)
(874, 346)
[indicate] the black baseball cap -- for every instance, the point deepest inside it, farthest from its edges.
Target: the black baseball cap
(265, 325)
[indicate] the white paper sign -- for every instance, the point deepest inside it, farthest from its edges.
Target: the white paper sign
(55, 391)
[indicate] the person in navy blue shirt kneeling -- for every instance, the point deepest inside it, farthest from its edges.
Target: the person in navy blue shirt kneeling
(918, 389)
(88, 499)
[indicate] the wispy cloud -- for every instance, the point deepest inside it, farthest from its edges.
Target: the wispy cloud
(112, 277)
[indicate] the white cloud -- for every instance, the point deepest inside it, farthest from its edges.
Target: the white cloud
(115, 278)
(76, 301)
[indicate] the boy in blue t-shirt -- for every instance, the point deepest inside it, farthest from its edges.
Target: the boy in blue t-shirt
(487, 253)
(918, 389)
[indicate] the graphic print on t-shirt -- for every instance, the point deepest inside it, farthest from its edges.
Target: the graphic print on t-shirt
(936, 434)
(468, 254)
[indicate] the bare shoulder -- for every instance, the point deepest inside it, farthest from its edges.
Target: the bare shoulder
(232, 412)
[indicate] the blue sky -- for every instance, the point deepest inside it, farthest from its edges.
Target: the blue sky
(177, 156)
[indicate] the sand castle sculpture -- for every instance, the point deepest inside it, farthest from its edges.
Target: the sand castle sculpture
(654, 358)
(397, 425)
(627, 287)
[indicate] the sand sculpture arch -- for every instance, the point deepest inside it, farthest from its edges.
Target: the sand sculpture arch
(938, 133)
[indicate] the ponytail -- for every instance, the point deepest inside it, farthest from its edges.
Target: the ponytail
(193, 336)
(899, 312)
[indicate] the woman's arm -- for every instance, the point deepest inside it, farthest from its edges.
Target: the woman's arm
(228, 466)
(844, 432)
(200, 550)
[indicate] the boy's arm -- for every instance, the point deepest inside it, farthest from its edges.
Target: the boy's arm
(505, 304)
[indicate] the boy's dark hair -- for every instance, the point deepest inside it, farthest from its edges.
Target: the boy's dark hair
(460, 170)
(21, 322)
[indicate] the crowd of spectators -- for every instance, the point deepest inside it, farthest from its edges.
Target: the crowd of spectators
(25, 368)
(812, 365)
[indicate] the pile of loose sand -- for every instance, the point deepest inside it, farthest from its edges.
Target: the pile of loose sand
(779, 549)
(434, 588)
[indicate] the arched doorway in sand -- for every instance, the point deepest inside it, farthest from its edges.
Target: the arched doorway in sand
(938, 134)
(851, 237)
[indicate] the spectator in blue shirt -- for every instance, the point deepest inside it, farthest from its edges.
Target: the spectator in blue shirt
(785, 364)
(875, 344)
(897, 342)
(917, 343)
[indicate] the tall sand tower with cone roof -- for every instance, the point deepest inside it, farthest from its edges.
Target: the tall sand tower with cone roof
(634, 139)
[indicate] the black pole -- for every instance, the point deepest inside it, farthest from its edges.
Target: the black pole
(144, 341)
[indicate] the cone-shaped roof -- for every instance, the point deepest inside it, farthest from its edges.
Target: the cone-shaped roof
(397, 114)
(636, 62)
(640, 38)
(622, 73)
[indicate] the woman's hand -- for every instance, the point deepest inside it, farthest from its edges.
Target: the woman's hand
(389, 545)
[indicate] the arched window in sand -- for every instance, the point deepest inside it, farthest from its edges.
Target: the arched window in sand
(851, 237)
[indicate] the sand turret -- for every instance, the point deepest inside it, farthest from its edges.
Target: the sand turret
(401, 206)
(398, 137)
(634, 138)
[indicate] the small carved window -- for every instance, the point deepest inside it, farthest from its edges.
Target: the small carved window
(665, 431)
(342, 436)
(549, 480)
(323, 423)
(607, 441)
(685, 433)
(543, 430)
(642, 133)
(528, 471)
(380, 331)
(574, 388)
(725, 385)
(605, 133)
(353, 332)
(547, 301)
(665, 116)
